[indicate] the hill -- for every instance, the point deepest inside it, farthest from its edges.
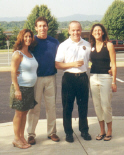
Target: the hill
(10, 19)
(85, 20)
(80, 17)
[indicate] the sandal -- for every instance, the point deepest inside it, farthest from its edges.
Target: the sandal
(19, 144)
(100, 137)
(25, 142)
(107, 138)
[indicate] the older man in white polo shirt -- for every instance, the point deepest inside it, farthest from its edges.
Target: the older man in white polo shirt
(73, 56)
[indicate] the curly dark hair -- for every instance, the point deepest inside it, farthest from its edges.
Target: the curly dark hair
(104, 37)
(20, 40)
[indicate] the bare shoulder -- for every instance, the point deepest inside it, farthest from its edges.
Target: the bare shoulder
(17, 56)
(110, 45)
(16, 59)
(111, 48)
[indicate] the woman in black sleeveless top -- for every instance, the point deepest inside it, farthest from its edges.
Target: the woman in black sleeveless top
(102, 84)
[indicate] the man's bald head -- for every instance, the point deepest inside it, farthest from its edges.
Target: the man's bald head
(74, 22)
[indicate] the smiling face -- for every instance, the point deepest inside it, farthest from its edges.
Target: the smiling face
(75, 31)
(41, 29)
(27, 39)
(97, 33)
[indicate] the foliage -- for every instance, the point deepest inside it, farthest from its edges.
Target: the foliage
(30, 23)
(2, 39)
(63, 25)
(89, 26)
(13, 37)
(45, 12)
(86, 25)
(63, 35)
(15, 27)
(11, 25)
(8, 26)
(113, 20)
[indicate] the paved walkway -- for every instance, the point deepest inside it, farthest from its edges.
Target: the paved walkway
(45, 146)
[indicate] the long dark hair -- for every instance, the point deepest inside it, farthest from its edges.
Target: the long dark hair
(20, 40)
(105, 38)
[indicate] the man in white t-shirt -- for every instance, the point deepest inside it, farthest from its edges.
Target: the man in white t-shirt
(73, 56)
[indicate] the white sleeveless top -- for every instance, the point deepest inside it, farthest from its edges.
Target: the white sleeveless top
(28, 71)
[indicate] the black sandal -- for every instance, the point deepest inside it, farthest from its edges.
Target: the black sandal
(107, 138)
(100, 137)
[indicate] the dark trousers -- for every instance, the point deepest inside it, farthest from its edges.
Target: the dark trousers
(75, 86)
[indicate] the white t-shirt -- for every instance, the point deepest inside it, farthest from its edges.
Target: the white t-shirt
(70, 51)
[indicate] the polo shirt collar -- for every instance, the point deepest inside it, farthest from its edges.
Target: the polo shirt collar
(71, 41)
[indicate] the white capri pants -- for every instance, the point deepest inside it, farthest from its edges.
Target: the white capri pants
(101, 94)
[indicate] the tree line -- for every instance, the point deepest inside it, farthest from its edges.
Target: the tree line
(113, 20)
(9, 26)
(15, 27)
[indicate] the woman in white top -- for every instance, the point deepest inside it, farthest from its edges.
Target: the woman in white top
(22, 88)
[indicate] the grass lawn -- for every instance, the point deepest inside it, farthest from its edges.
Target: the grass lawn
(6, 50)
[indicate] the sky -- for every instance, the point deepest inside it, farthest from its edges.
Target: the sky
(59, 8)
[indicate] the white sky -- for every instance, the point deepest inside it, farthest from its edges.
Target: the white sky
(59, 8)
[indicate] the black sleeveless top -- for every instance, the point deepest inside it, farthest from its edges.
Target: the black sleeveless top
(100, 61)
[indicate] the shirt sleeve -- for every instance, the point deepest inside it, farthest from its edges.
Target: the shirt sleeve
(60, 54)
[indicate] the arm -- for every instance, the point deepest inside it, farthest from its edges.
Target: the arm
(16, 60)
(112, 54)
(62, 65)
(60, 56)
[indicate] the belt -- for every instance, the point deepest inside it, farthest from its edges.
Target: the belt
(76, 74)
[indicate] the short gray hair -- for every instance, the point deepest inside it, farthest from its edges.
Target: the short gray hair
(74, 21)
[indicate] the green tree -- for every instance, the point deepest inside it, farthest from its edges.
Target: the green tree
(30, 23)
(2, 39)
(9, 25)
(113, 20)
(45, 12)
(13, 37)
(63, 35)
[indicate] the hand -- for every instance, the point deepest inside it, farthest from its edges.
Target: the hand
(17, 73)
(114, 87)
(79, 63)
(110, 72)
(18, 95)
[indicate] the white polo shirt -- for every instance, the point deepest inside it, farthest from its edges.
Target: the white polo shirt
(70, 51)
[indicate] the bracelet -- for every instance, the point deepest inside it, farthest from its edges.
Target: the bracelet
(113, 83)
